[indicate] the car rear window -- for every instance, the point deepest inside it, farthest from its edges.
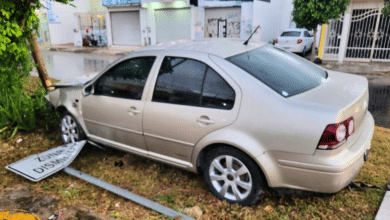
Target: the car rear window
(291, 34)
(286, 73)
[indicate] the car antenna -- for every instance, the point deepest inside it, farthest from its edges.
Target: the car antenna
(246, 42)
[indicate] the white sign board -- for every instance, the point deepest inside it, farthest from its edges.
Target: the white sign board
(39, 166)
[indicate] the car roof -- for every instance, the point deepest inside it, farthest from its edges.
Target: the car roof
(222, 47)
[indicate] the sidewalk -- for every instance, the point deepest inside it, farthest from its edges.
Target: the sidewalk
(113, 50)
(360, 68)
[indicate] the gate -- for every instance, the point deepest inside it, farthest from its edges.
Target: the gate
(361, 34)
(333, 38)
(382, 42)
(369, 35)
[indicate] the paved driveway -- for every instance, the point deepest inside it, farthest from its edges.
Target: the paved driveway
(379, 104)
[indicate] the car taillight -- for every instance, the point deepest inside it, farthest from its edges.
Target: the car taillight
(299, 41)
(276, 41)
(336, 134)
(351, 126)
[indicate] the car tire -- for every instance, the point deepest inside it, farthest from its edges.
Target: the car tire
(70, 129)
(244, 189)
(304, 52)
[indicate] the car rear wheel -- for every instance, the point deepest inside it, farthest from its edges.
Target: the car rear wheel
(232, 176)
(304, 52)
(70, 129)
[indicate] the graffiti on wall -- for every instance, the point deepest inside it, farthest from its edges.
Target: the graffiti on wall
(233, 29)
(52, 16)
(230, 28)
(223, 23)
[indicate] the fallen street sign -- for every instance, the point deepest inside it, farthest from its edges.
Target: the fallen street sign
(39, 166)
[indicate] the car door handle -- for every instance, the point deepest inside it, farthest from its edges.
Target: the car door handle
(206, 121)
(134, 110)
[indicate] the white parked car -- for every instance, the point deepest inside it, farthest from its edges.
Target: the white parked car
(295, 40)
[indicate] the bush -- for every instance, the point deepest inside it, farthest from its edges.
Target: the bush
(21, 111)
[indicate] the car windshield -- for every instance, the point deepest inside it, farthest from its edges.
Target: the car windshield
(291, 34)
(286, 73)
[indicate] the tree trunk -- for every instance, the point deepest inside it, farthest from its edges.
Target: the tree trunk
(313, 48)
(37, 56)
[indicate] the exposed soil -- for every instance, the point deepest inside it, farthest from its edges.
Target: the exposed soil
(22, 198)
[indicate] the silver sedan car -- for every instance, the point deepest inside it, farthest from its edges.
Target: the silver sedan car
(245, 116)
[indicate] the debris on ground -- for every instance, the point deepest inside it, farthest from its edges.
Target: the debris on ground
(268, 208)
(118, 163)
(194, 211)
(69, 188)
(53, 217)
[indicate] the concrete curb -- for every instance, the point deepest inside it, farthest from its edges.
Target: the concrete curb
(361, 68)
(96, 50)
(384, 210)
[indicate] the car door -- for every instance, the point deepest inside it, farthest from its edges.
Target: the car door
(113, 113)
(190, 99)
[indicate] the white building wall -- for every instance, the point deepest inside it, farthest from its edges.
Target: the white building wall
(246, 19)
(62, 21)
(273, 17)
(151, 25)
(144, 32)
(198, 22)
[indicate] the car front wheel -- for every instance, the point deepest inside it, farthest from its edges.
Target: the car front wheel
(304, 52)
(232, 176)
(70, 129)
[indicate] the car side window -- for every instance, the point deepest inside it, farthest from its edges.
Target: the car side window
(189, 82)
(307, 34)
(217, 93)
(125, 80)
(179, 81)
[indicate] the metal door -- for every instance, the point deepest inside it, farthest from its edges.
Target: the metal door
(382, 42)
(332, 39)
(214, 18)
(126, 28)
(173, 24)
(363, 28)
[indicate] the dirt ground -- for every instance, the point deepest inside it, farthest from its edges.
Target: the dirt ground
(41, 205)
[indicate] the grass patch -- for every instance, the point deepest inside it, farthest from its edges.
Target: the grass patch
(179, 189)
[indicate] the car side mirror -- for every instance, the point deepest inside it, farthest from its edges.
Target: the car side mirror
(89, 90)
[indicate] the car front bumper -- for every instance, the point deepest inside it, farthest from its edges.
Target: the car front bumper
(327, 171)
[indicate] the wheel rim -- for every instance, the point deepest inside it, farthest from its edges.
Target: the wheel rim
(230, 178)
(69, 130)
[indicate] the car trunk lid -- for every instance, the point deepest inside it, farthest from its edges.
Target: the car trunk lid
(288, 40)
(344, 94)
